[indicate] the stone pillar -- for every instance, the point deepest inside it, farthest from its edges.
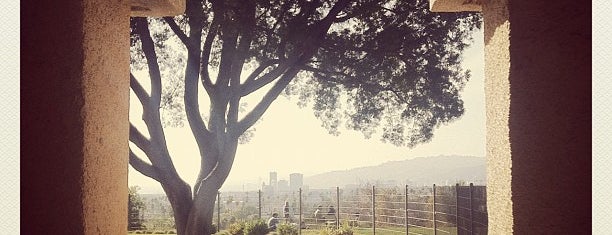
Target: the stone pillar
(105, 91)
(74, 113)
(497, 102)
(550, 116)
(537, 87)
(74, 117)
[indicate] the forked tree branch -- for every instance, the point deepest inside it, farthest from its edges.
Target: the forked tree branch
(256, 84)
(206, 50)
(140, 140)
(228, 52)
(263, 66)
(144, 167)
(178, 31)
(192, 73)
(255, 114)
(140, 92)
(148, 48)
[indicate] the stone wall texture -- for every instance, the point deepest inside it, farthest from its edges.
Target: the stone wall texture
(538, 101)
(105, 116)
(497, 99)
(74, 109)
(51, 121)
(550, 116)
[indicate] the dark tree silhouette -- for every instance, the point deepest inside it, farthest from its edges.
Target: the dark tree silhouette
(390, 66)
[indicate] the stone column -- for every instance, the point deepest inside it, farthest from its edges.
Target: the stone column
(537, 87)
(105, 90)
(75, 93)
(74, 113)
(550, 116)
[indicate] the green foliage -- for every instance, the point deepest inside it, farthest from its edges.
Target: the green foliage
(236, 228)
(343, 230)
(255, 227)
(286, 229)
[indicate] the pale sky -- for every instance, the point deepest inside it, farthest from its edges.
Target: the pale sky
(290, 139)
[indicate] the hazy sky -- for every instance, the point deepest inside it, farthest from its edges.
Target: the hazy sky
(290, 139)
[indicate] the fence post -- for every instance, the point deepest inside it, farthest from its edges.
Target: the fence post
(300, 211)
(406, 210)
(218, 211)
(373, 210)
(457, 207)
(259, 203)
(471, 211)
(337, 207)
(435, 230)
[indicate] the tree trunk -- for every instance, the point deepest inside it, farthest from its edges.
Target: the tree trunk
(201, 215)
(179, 196)
(200, 218)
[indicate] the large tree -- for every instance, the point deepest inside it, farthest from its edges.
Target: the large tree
(388, 66)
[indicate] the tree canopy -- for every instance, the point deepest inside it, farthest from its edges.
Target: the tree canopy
(388, 66)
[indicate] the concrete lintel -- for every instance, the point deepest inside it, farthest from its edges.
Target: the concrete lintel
(455, 5)
(157, 8)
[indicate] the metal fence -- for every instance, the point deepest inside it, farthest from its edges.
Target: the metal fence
(409, 210)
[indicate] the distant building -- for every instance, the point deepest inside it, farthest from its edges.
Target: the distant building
(267, 189)
(296, 181)
(283, 186)
(273, 179)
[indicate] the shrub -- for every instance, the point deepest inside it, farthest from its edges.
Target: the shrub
(286, 229)
(256, 227)
(344, 230)
(171, 232)
(236, 228)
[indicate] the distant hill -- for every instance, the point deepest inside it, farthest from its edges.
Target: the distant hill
(440, 170)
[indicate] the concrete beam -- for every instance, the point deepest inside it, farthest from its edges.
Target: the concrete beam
(455, 5)
(157, 8)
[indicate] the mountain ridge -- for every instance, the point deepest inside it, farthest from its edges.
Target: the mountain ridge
(442, 169)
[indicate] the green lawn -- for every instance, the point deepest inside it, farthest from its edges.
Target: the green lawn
(383, 231)
(390, 231)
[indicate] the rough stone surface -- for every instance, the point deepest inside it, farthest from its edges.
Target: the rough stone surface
(497, 99)
(550, 116)
(74, 117)
(105, 113)
(157, 8)
(454, 5)
(538, 105)
(51, 122)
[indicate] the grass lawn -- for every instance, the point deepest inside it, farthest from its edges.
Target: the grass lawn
(390, 231)
(383, 231)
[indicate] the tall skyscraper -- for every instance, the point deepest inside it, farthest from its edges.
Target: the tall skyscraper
(296, 181)
(273, 179)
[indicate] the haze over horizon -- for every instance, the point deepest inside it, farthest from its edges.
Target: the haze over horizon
(291, 140)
